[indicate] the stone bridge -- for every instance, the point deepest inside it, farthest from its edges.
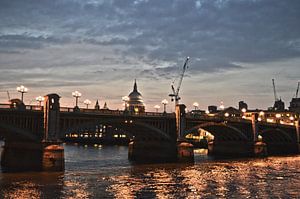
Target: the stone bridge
(234, 136)
(30, 132)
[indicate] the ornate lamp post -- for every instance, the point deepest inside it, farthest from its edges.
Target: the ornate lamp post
(77, 95)
(39, 99)
(22, 89)
(87, 102)
(125, 99)
(195, 104)
(156, 108)
(164, 102)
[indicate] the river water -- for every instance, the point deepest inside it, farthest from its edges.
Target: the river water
(105, 172)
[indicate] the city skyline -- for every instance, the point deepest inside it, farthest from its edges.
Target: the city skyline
(100, 47)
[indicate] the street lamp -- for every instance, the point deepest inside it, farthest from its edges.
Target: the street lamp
(87, 102)
(157, 107)
(195, 104)
(125, 99)
(77, 95)
(164, 102)
(39, 99)
(22, 89)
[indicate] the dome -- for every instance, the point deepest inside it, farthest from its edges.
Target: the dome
(135, 101)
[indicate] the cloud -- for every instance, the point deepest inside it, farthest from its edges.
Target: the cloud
(122, 40)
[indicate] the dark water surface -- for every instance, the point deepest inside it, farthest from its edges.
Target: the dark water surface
(104, 172)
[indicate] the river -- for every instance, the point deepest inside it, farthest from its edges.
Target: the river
(105, 172)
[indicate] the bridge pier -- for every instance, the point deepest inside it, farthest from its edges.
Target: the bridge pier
(185, 150)
(32, 156)
(152, 151)
(297, 122)
(231, 149)
(53, 152)
(259, 148)
(21, 156)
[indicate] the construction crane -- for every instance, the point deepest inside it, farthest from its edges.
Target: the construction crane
(175, 93)
(274, 90)
(297, 90)
(278, 104)
(7, 92)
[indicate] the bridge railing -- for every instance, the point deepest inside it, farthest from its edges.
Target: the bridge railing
(90, 111)
(115, 112)
(26, 107)
(216, 118)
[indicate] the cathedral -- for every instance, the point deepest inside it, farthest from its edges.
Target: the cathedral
(135, 102)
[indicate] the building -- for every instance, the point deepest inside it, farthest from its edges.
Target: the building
(243, 105)
(135, 101)
(278, 105)
(295, 105)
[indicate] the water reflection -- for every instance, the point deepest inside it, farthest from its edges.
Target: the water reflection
(93, 172)
(248, 178)
(30, 185)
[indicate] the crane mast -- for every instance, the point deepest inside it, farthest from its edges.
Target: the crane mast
(297, 90)
(8, 96)
(274, 90)
(175, 93)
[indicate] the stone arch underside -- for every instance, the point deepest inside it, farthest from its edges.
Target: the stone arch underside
(138, 129)
(276, 135)
(220, 131)
(279, 141)
(11, 133)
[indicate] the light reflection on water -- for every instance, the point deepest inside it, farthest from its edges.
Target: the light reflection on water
(93, 172)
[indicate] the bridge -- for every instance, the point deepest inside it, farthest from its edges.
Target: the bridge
(32, 134)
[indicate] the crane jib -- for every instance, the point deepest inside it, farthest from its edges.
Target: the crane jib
(175, 94)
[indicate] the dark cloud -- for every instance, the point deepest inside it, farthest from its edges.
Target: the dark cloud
(229, 31)
(123, 39)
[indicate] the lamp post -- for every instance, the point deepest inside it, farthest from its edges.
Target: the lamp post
(125, 99)
(77, 95)
(164, 102)
(87, 102)
(195, 104)
(22, 89)
(156, 108)
(39, 99)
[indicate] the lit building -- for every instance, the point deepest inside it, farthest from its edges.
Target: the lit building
(135, 102)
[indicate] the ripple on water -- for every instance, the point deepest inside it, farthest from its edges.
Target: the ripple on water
(106, 173)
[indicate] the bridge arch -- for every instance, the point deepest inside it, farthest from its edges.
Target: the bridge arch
(279, 141)
(9, 132)
(136, 128)
(275, 135)
(221, 131)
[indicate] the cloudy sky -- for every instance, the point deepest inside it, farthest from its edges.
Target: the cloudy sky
(99, 47)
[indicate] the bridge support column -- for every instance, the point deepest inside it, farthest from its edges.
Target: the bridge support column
(260, 148)
(298, 133)
(185, 150)
(180, 120)
(53, 152)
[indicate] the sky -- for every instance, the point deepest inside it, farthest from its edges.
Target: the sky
(99, 47)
